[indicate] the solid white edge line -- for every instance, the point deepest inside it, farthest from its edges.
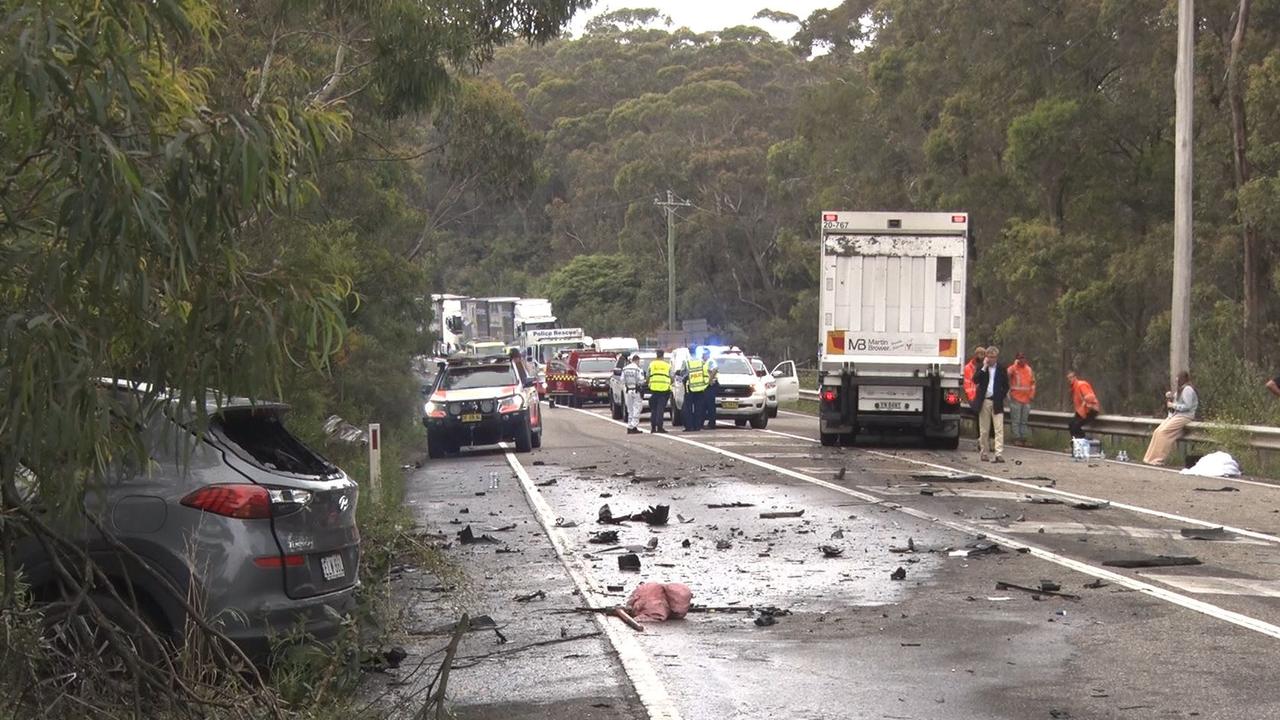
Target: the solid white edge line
(635, 663)
(1054, 491)
(1235, 618)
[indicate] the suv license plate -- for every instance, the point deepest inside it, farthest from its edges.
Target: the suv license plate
(729, 405)
(472, 417)
(331, 565)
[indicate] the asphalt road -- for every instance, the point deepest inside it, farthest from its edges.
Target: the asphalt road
(945, 642)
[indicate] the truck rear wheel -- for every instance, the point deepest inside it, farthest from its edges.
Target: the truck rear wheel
(945, 443)
(829, 439)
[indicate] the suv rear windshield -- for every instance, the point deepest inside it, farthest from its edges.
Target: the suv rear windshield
(471, 378)
(595, 365)
(262, 435)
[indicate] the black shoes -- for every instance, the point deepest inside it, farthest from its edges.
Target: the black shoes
(633, 431)
(659, 431)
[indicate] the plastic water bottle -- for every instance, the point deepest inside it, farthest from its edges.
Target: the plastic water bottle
(493, 481)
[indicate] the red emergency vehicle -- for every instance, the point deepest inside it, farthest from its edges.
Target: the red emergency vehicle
(581, 378)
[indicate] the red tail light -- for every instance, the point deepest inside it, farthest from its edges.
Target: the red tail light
(279, 561)
(951, 398)
(247, 502)
(829, 395)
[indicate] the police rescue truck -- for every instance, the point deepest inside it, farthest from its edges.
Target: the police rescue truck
(891, 324)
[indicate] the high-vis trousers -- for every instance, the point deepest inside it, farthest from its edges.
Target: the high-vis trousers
(635, 406)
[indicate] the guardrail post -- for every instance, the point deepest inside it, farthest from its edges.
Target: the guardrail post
(375, 462)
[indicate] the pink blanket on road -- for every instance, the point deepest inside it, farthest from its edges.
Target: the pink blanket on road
(656, 602)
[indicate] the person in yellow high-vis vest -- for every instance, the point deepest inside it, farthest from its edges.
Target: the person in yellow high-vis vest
(696, 378)
(658, 378)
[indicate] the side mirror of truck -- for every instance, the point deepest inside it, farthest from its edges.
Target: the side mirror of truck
(778, 374)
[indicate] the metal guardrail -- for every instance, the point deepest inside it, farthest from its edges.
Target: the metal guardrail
(1259, 436)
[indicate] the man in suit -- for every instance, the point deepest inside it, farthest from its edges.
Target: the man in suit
(992, 383)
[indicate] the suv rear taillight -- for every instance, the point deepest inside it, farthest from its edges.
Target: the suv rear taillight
(246, 502)
(829, 395)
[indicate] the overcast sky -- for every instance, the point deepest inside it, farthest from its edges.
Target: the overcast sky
(704, 15)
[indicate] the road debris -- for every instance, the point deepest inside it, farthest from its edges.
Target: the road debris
(725, 506)
(837, 534)
(1092, 505)
(546, 483)
(948, 477)
(768, 615)
(466, 537)
(537, 595)
(1224, 488)
(1035, 592)
(629, 562)
(978, 547)
(604, 537)
(831, 551)
(1095, 585)
(658, 602)
(504, 528)
(899, 574)
(781, 514)
(562, 523)
(1050, 586)
(910, 548)
(721, 544)
(605, 516)
(1216, 533)
(686, 543)
(655, 515)
(1149, 561)
(683, 519)
(840, 474)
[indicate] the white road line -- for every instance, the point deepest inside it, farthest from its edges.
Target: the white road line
(1230, 616)
(1038, 489)
(1130, 465)
(1030, 527)
(944, 492)
(1200, 585)
(652, 693)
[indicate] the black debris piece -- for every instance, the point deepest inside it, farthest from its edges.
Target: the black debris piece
(723, 506)
(394, 657)
(899, 574)
(539, 463)
(997, 516)
(464, 511)
(1033, 478)
(546, 483)
(1207, 534)
(723, 544)
(606, 494)
(1042, 500)
(764, 620)
(504, 528)
(1092, 505)
(605, 516)
(837, 534)
(831, 551)
(625, 473)
(1149, 561)
(562, 523)
(840, 475)
(482, 622)
(586, 467)
(604, 537)
(652, 544)
(1224, 488)
(645, 478)
(480, 494)
(538, 595)
(615, 588)
(1097, 584)
(686, 543)
(781, 514)
(466, 537)
(928, 491)
(766, 616)
(655, 515)
(629, 562)
(504, 550)
(1050, 585)
(1036, 593)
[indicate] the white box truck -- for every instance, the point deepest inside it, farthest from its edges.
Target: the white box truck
(891, 324)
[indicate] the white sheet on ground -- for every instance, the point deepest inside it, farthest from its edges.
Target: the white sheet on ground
(1215, 464)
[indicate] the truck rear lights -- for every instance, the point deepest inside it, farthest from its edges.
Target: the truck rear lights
(959, 218)
(246, 502)
(951, 397)
(270, 562)
(829, 395)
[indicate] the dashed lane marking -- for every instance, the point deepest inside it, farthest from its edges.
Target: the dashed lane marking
(1039, 489)
(1073, 528)
(1249, 623)
(1199, 585)
(905, 490)
(652, 693)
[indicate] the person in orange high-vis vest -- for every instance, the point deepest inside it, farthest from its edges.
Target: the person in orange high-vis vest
(1022, 390)
(1085, 402)
(970, 368)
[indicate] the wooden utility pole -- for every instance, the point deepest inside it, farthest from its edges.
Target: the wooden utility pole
(669, 207)
(1184, 83)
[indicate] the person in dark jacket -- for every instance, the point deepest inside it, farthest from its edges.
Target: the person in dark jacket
(992, 384)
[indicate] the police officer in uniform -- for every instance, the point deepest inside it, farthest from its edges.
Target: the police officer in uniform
(632, 378)
(696, 379)
(659, 377)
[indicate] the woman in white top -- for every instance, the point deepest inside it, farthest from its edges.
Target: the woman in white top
(1182, 410)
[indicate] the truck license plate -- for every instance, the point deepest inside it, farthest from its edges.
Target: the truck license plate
(729, 405)
(472, 418)
(331, 565)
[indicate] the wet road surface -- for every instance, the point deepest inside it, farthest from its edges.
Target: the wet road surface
(944, 642)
